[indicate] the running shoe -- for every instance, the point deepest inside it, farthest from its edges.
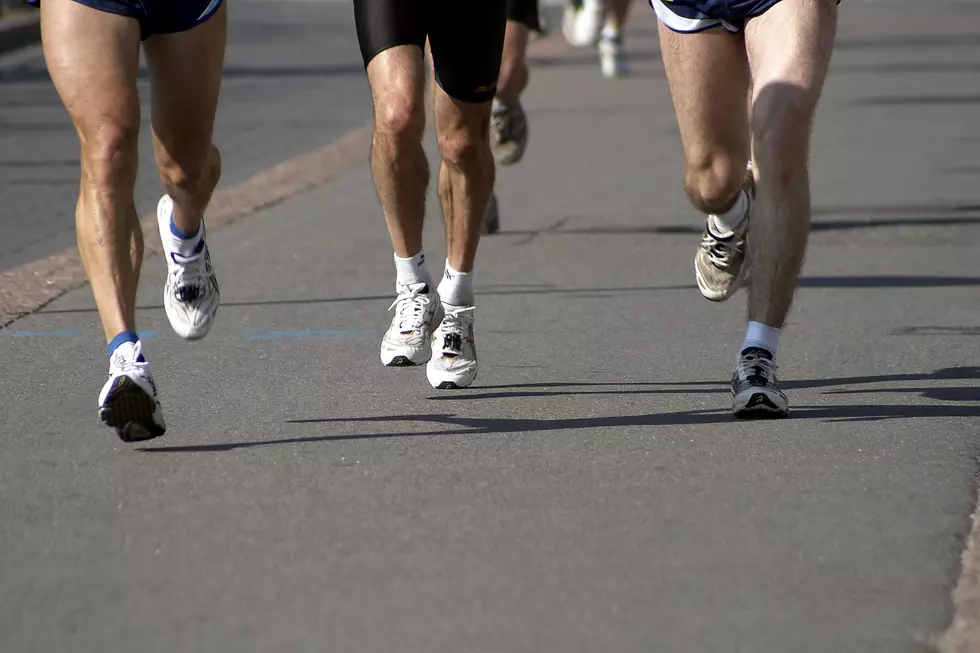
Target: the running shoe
(190, 295)
(719, 263)
(407, 341)
(453, 364)
(128, 401)
(755, 392)
(508, 131)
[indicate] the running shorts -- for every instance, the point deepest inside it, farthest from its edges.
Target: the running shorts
(466, 39)
(156, 16)
(699, 15)
(524, 12)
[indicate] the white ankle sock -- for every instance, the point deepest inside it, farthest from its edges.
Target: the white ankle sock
(725, 224)
(762, 336)
(412, 270)
(456, 288)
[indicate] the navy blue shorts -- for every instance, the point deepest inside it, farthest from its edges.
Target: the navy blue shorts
(156, 16)
(699, 15)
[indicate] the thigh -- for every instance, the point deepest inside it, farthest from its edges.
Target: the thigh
(709, 84)
(385, 24)
(93, 59)
(467, 41)
(789, 49)
(185, 80)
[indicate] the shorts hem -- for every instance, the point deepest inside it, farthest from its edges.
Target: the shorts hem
(684, 25)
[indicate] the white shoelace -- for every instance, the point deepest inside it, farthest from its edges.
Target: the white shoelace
(190, 272)
(411, 306)
(456, 323)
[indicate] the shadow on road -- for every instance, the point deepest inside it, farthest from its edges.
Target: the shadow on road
(453, 424)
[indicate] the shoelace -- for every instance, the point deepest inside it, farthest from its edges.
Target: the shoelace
(412, 303)
(455, 327)
(754, 368)
(189, 276)
(719, 253)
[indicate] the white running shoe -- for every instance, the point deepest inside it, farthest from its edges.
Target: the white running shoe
(720, 261)
(128, 401)
(582, 22)
(453, 363)
(191, 294)
(417, 311)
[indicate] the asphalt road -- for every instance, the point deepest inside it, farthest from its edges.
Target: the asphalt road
(590, 492)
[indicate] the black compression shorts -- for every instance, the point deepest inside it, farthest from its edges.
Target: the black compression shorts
(524, 12)
(466, 38)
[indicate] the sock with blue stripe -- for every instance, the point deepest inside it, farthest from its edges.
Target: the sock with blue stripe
(183, 243)
(121, 339)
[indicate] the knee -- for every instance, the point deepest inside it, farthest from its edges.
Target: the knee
(191, 169)
(402, 119)
(110, 157)
(713, 180)
(463, 148)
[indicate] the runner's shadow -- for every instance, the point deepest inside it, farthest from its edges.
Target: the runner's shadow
(452, 424)
(470, 426)
(938, 393)
(477, 426)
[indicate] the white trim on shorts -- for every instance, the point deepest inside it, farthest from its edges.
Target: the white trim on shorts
(679, 23)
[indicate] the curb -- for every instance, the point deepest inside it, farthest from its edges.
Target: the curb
(20, 31)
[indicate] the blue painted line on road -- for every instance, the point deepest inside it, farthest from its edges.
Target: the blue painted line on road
(298, 334)
(27, 334)
(273, 334)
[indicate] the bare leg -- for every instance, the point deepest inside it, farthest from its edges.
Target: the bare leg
(185, 73)
(513, 65)
(87, 49)
(789, 49)
(709, 83)
(93, 59)
(401, 171)
(466, 176)
(611, 58)
(616, 13)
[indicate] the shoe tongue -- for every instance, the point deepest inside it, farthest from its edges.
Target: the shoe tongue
(420, 286)
(757, 352)
(129, 352)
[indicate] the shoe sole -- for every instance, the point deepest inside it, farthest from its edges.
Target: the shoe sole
(759, 405)
(404, 361)
(448, 384)
(129, 410)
